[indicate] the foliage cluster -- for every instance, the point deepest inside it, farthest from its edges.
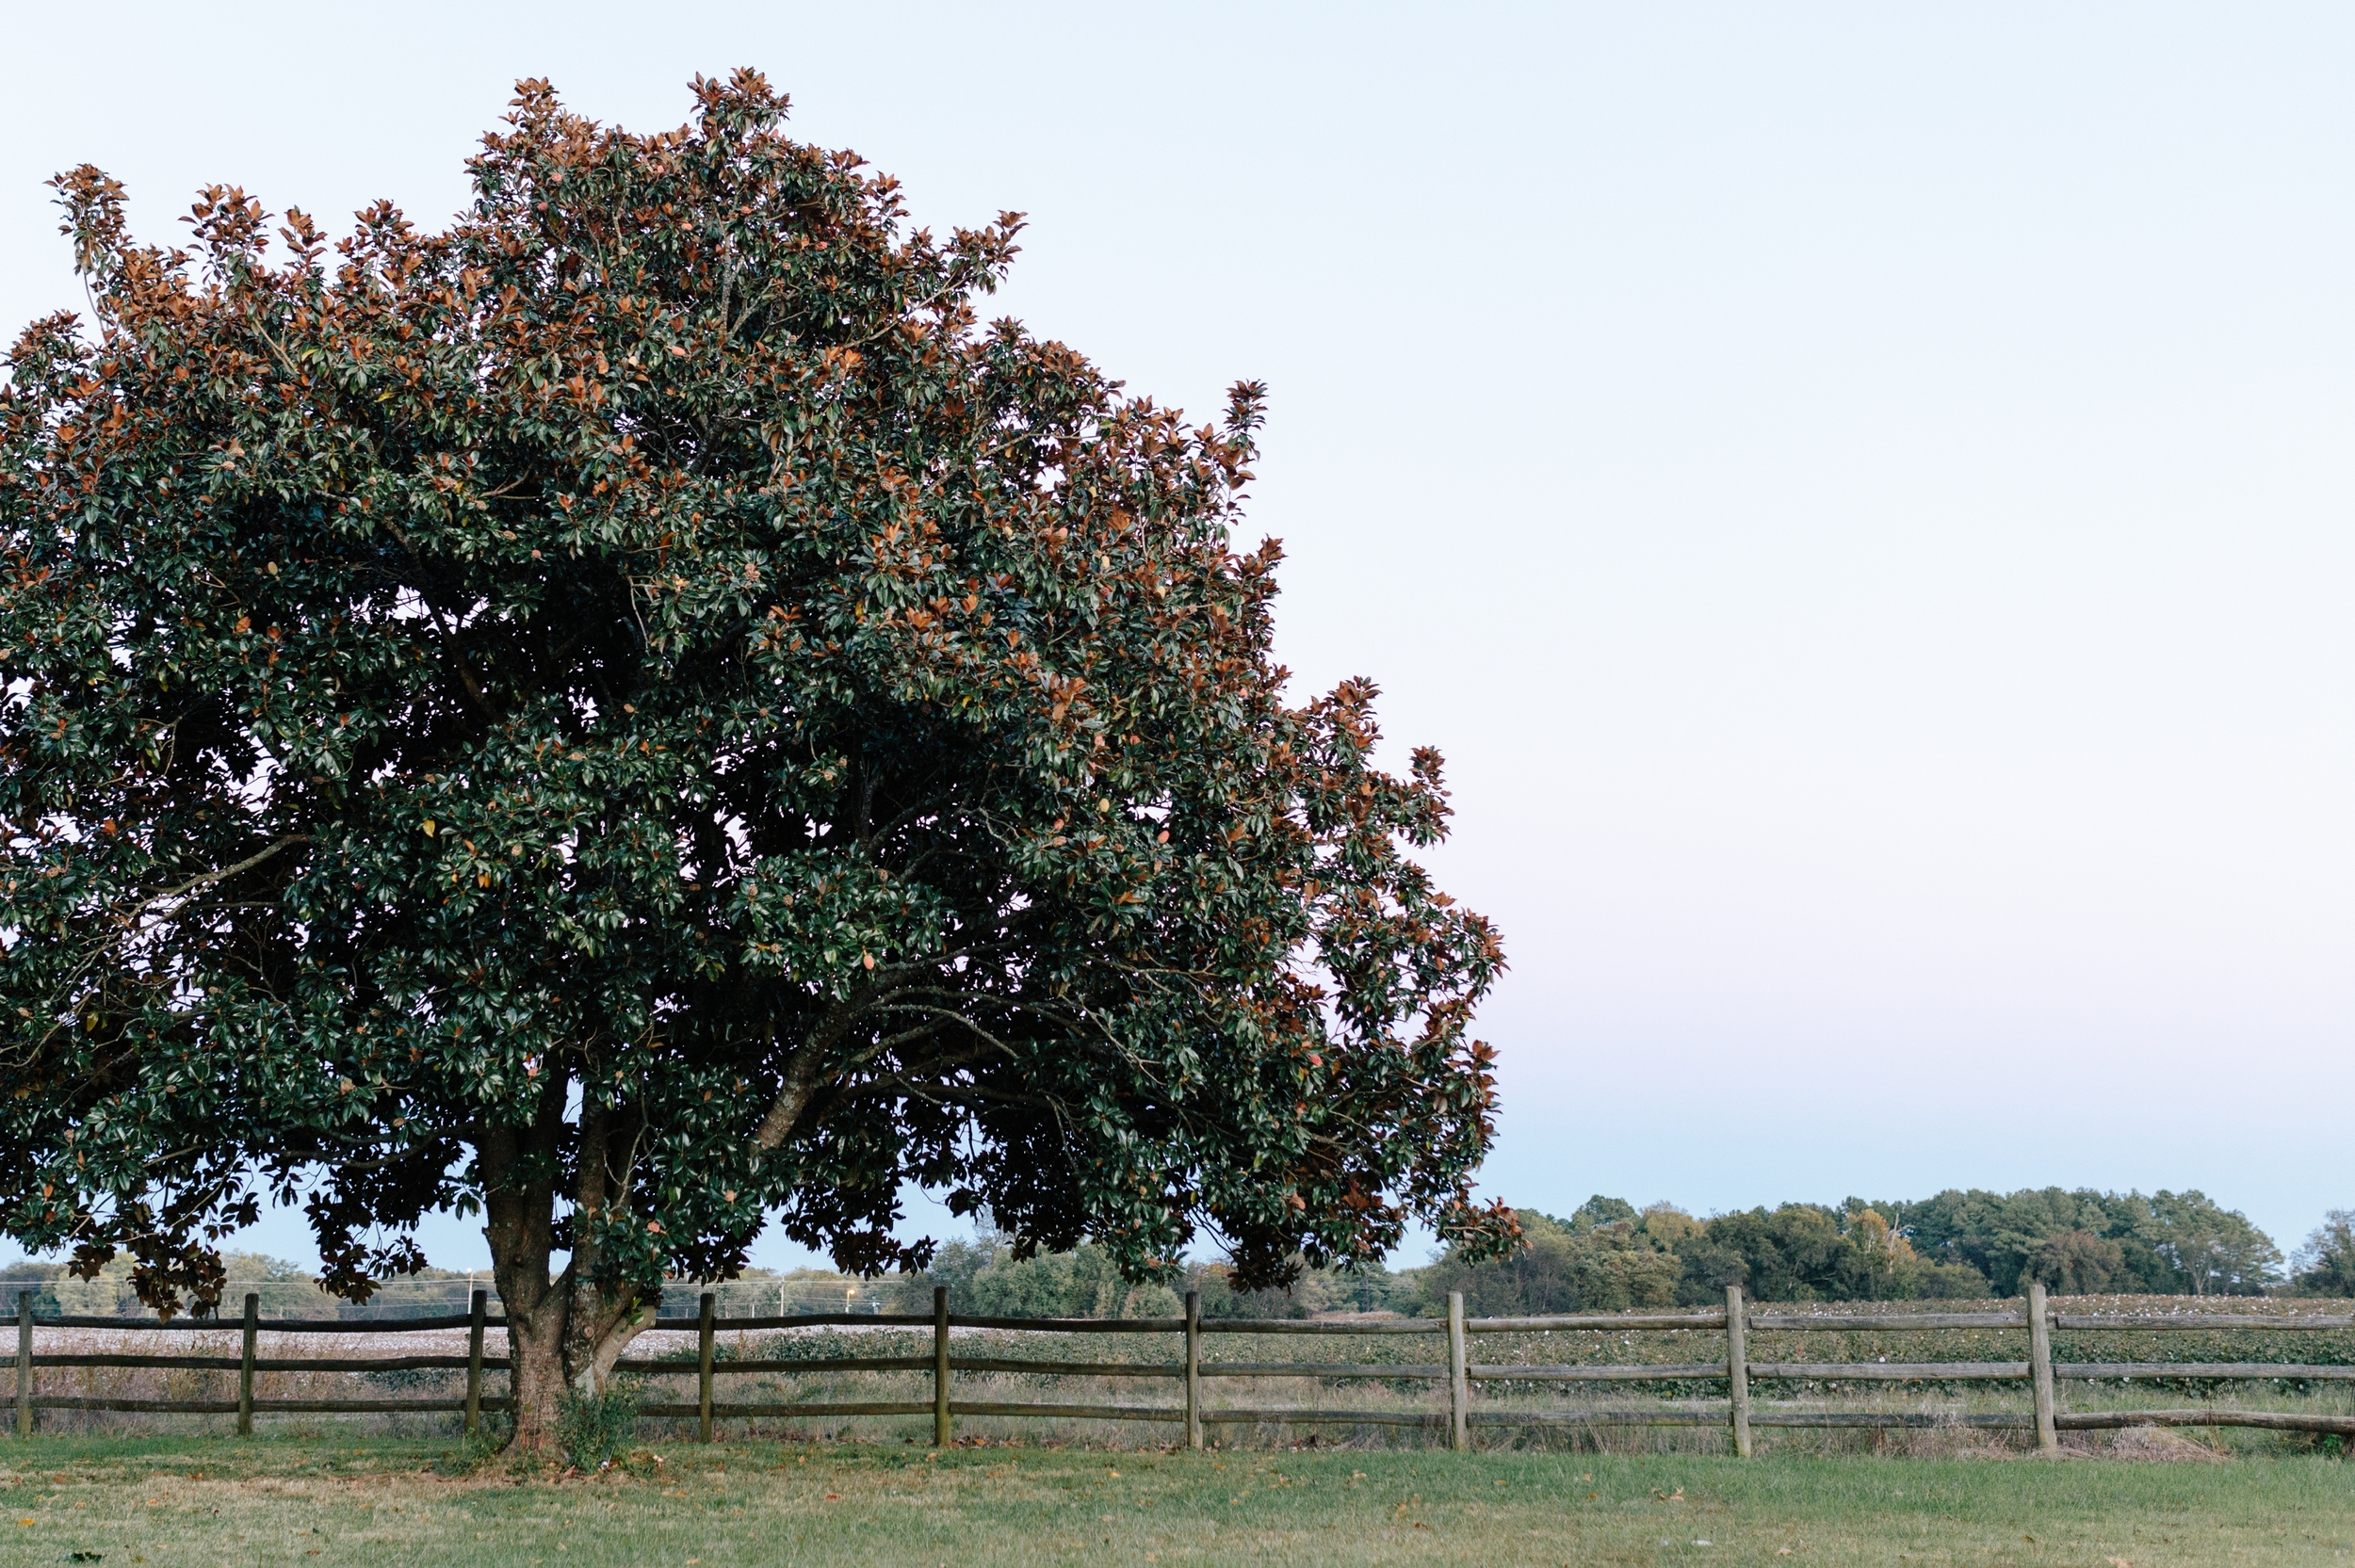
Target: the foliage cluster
(1608, 1255)
(2325, 1265)
(287, 1290)
(595, 1427)
(2084, 1242)
(987, 1278)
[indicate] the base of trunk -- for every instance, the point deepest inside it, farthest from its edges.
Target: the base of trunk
(536, 1379)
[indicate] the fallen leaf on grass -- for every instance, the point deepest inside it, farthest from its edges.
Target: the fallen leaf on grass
(834, 1496)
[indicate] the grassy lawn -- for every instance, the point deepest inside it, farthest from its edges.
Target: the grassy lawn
(168, 1502)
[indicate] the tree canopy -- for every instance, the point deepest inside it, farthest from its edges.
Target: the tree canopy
(639, 712)
(2325, 1265)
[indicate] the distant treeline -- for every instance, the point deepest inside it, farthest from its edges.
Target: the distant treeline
(985, 1279)
(286, 1290)
(1608, 1254)
(1605, 1255)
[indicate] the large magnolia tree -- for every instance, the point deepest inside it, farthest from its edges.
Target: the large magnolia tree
(639, 714)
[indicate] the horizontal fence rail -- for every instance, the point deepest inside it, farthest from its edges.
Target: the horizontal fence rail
(1816, 1322)
(2198, 1371)
(1883, 1371)
(279, 1325)
(2201, 1321)
(1715, 1370)
(1735, 1372)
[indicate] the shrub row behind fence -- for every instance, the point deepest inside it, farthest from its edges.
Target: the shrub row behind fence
(1736, 1370)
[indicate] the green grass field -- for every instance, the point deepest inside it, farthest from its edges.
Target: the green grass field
(168, 1502)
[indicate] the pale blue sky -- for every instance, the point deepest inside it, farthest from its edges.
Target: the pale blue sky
(1860, 494)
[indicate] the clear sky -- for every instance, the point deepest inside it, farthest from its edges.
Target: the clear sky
(1859, 493)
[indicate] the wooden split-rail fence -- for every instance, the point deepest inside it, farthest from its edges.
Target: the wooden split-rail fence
(1459, 1373)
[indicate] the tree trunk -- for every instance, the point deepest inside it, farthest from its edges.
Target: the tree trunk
(602, 1315)
(519, 1202)
(565, 1339)
(521, 1234)
(565, 1333)
(536, 1384)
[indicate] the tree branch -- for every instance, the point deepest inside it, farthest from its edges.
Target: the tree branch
(209, 878)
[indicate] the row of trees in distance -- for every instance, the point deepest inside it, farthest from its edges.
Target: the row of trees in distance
(1957, 1244)
(1605, 1255)
(1609, 1255)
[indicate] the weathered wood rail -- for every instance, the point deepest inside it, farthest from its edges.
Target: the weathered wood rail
(1459, 1373)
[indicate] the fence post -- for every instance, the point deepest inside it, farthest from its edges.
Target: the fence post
(24, 1363)
(940, 1367)
(1194, 1368)
(245, 1368)
(474, 1362)
(2041, 1368)
(1738, 1371)
(703, 1312)
(1458, 1382)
